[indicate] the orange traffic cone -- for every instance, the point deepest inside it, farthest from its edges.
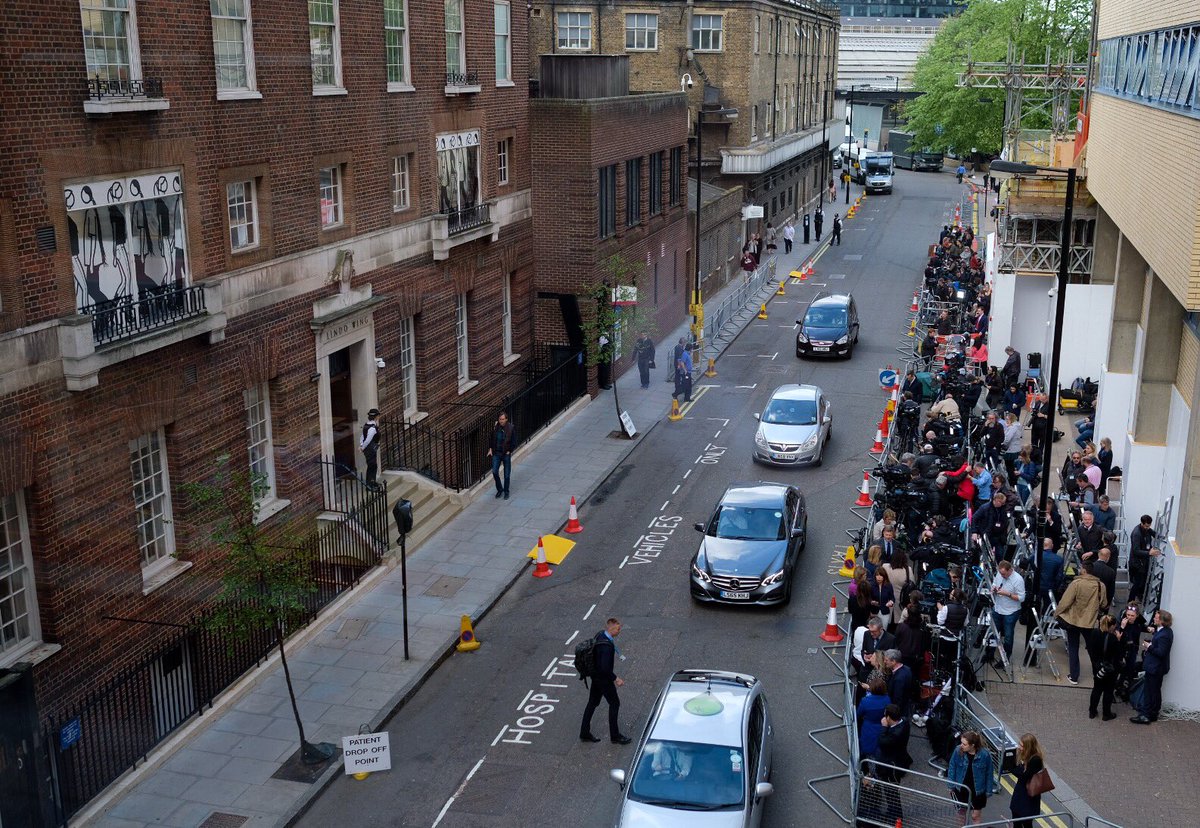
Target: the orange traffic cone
(886, 428)
(832, 634)
(891, 406)
(541, 569)
(864, 494)
(804, 274)
(810, 269)
(573, 524)
(878, 447)
(913, 308)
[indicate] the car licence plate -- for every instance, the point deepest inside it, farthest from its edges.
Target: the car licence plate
(738, 596)
(784, 456)
(820, 347)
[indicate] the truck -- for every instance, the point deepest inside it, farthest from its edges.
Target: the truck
(873, 169)
(910, 158)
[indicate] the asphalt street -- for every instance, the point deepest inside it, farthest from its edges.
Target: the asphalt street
(492, 738)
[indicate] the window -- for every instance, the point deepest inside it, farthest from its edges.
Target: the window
(400, 184)
(641, 32)
(456, 55)
(757, 33)
(109, 41)
(770, 34)
(324, 45)
(331, 197)
(460, 340)
(241, 199)
(656, 183)
(503, 17)
(754, 124)
(503, 150)
(152, 500)
(706, 32)
(408, 367)
(19, 628)
(233, 47)
(608, 201)
(633, 191)
(395, 44)
(458, 172)
(575, 30)
(506, 314)
(260, 444)
(676, 175)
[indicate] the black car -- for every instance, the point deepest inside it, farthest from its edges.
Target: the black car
(751, 545)
(829, 327)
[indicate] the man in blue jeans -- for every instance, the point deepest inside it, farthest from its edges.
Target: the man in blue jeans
(1085, 427)
(1008, 593)
(504, 439)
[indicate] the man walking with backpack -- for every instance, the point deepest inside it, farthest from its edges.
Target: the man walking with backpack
(598, 662)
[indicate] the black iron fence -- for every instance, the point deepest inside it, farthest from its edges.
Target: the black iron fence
(116, 725)
(458, 459)
(123, 317)
(468, 218)
(99, 88)
(462, 79)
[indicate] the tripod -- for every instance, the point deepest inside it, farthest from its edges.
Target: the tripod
(1038, 640)
(993, 640)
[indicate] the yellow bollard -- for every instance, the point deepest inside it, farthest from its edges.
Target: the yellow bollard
(780, 291)
(762, 311)
(711, 370)
(847, 570)
(675, 412)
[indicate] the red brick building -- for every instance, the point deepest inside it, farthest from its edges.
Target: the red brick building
(232, 229)
(608, 180)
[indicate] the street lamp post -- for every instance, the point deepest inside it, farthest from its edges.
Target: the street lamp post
(849, 143)
(697, 299)
(1060, 304)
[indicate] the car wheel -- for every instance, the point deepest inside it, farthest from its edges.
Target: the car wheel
(850, 351)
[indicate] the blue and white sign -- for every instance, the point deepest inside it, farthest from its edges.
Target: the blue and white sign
(887, 378)
(69, 734)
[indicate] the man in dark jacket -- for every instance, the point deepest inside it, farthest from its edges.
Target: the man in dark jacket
(369, 444)
(1107, 573)
(504, 439)
(1091, 537)
(1052, 571)
(991, 521)
(1141, 550)
(900, 682)
(643, 349)
(1156, 661)
(893, 756)
(604, 684)
(1012, 367)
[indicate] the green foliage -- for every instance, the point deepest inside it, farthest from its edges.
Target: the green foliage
(264, 586)
(619, 327)
(947, 116)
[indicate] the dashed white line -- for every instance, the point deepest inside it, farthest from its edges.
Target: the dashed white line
(567, 643)
(718, 434)
(752, 387)
(606, 586)
(549, 668)
(677, 485)
(699, 457)
(496, 741)
(461, 787)
(666, 503)
(522, 704)
(588, 614)
(689, 471)
(622, 564)
(774, 355)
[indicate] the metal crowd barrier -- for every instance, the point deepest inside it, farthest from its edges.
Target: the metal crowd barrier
(918, 799)
(1095, 820)
(972, 714)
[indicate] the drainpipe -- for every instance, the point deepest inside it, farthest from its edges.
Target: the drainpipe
(600, 51)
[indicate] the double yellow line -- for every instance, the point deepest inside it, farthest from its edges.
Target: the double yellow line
(1006, 782)
(687, 406)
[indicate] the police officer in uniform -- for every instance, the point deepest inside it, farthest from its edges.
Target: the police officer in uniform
(370, 446)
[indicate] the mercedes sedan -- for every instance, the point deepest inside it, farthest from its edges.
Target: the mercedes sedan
(751, 545)
(794, 426)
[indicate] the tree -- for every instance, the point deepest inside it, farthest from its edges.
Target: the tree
(609, 330)
(948, 116)
(264, 587)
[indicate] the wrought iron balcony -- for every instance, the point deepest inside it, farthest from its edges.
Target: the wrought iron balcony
(123, 317)
(462, 83)
(124, 95)
(460, 221)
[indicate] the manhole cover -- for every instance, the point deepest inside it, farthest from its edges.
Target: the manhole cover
(445, 586)
(218, 819)
(351, 629)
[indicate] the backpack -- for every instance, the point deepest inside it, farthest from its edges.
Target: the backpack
(585, 659)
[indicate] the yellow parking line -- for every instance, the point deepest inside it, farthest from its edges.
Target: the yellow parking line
(1007, 784)
(687, 406)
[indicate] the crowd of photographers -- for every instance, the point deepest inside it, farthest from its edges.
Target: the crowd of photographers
(952, 537)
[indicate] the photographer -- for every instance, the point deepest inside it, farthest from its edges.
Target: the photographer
(991, 521)
(927, 461)
(953, 615)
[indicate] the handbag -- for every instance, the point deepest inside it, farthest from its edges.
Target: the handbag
(1105, 669)
(652, 365)
(1039, 783)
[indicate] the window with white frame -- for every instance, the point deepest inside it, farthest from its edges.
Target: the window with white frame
(754, 123)
(641, 32)
(757, 33)
(324, 44)
(152, 499)
(575, 30)
(395, 43)
(770, 35)
(460, 339)
(503, 159)
(706, 32)
(233, 46)
(408, 367)
(19, 627)
(506, 314)
(456, 49)
(458, 171)
(503, 19)
(330, 179)
(110, 40)
(400, 183)
(241, 199)
(259, 441)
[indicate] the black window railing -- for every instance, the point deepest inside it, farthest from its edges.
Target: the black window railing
(125, 317)
(99, 88)
(462, 79)
(468, 218)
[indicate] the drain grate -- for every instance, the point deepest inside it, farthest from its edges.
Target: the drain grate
(445, 586)
(219, 819)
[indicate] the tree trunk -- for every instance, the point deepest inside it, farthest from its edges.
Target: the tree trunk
(287, 677)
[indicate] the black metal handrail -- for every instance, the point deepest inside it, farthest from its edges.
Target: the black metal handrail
(346, 492)
(458, 459)
(123, 317)
(99, 88)
(462, 79)
(458, 221)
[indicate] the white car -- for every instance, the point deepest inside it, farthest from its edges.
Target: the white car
(704, 758)
(794, 426)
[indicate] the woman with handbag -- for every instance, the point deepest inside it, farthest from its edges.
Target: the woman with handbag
(1032, 781)
(970, 776)
(1104, 649)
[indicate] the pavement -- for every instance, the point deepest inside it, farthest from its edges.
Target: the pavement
(348, 667)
